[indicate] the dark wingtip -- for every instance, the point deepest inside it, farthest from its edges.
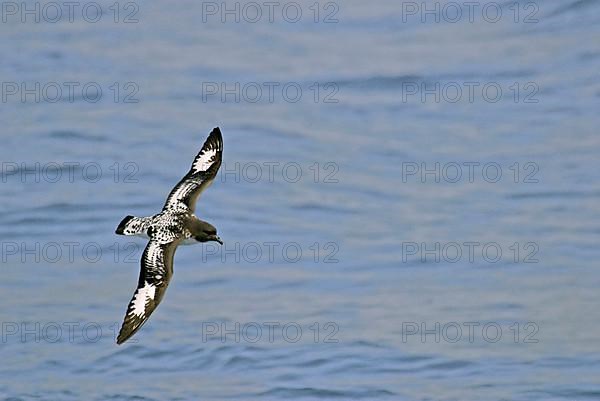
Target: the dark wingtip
(215, 133)
(214, 140)
(125, 333)
(122, 225)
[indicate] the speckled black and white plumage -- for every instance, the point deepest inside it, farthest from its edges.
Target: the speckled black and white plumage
(174, 225)
(201, 175)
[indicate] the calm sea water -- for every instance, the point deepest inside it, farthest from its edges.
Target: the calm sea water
(412, 213)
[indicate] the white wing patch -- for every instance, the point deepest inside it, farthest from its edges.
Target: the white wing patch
(141, 297)
(155, 274)
(203, 171)
(205, 160)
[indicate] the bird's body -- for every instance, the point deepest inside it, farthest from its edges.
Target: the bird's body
(166, 226)
(176, 224)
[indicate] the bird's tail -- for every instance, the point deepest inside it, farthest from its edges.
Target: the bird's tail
(131, 225)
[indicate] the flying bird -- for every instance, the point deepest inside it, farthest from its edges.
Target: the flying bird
(175, 224)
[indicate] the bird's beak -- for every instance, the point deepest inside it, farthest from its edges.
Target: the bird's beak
(216, 238)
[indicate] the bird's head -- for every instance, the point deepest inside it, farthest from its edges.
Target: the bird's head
(207, 233)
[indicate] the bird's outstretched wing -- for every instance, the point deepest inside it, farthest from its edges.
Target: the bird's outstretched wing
(155, 274)
(201, 175)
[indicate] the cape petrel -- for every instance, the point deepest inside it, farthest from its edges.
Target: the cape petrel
(174, 225)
